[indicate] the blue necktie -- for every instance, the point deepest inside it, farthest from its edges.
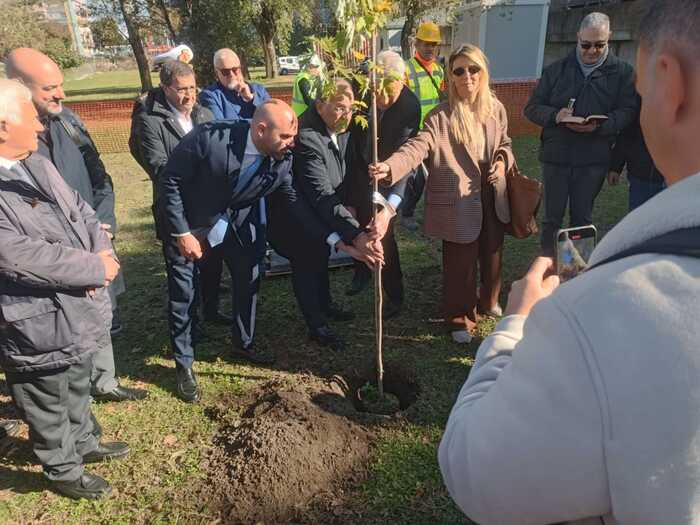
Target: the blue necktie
(218, 232)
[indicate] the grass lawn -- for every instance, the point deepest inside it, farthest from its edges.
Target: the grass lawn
(171, 440)
(113, 85)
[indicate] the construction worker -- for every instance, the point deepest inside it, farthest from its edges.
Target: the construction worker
(426, 78)
(305, 85)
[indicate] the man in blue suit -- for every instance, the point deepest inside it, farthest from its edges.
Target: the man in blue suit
(231, 97)
(214, 188)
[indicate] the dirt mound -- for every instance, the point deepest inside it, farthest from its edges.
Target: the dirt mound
(290, 444)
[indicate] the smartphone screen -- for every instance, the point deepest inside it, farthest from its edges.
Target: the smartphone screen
(574, 249)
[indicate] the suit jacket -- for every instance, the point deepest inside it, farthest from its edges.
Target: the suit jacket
(453, 191)
(226, 104)
(158, 133)
(198, 180)
(320, 170)
(397, 124)
(49, 239)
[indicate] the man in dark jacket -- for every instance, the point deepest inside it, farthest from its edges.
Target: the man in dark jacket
(55, 262)
(630, 151)
(67, 143)
(322, 160)
(575, 157)
(399, 115)
(214, 187)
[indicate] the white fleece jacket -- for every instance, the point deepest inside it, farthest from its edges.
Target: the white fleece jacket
(588, 410)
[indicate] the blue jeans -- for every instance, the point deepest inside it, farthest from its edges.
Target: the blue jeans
(641, 190)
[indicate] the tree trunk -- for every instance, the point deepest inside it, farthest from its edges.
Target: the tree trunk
(265, 25)
(270, 57)
(244, 64)
(168, 21)
(406, 33)
(137, 47)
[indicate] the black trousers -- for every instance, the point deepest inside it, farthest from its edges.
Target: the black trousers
(243, 262)
(210, 270)
(56, 406)
(577, 186)
(414, 191)
(311, 282)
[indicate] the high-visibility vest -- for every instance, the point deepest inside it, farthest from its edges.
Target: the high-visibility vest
(298, 104)
(419, 82)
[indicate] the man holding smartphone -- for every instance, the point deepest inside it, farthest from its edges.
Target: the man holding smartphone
(587, 395)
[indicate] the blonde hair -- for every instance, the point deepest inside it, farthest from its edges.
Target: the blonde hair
(467, 117)
(11, 93)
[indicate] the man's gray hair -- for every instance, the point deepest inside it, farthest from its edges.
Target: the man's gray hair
(392, 63)
(173, 69)
(220, 52)
(675, 20)
(597, 20)
(11, 93)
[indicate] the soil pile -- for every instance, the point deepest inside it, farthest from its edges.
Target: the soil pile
(291, 443)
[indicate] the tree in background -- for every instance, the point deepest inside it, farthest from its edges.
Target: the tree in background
(106, 33)
(22, 26)
(273, 21)
(413, 10)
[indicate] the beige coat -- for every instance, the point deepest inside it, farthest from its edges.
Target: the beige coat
(453, 193)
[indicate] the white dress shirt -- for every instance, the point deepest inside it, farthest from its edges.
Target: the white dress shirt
(184, 119)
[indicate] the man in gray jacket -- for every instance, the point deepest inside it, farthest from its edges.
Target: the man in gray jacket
(55, 264)
(583, 405)
(66, 142)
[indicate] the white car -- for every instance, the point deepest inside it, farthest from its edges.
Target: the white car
(288, 65)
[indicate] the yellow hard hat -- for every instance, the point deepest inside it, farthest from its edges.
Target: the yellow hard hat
(429, 32)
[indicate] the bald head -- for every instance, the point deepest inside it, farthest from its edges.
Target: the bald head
(273, 128)
(41, 75)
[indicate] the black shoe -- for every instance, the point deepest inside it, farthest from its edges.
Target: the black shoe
(252, 354)
(187, 387)
(107, 451)
(122, 393)
(391, 310)
(324, 336)
(219, 318)
(8, 428)
(88, 486)
(117, 326)
(96, 427)
(336, 313)
(358, 284)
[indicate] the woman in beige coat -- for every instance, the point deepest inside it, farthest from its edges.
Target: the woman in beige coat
(467, 150)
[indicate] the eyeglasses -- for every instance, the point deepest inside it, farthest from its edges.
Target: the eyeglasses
(341, 110)
(228, 71)
(598, 45)
(184, 90)
(460, 71)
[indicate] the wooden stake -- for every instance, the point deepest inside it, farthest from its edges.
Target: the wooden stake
(378, 298)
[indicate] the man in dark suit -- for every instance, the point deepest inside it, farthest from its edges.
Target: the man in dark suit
(322, 158)
(66, 142)
(55, 263)
(214, 187)
(398, 113)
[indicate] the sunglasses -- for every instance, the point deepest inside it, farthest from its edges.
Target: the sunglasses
(460, 71)
(226, 71)
(587, 45)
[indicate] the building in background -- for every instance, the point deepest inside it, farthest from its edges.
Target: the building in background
(71, 17)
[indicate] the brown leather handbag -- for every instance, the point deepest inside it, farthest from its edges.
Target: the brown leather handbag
(524, 197)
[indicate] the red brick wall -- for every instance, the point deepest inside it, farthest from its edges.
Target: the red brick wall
(109, 121)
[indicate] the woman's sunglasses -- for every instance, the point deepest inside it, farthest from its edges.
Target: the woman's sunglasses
(460, 71)
(597, 45)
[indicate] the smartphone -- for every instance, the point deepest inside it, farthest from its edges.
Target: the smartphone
(574, 248)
